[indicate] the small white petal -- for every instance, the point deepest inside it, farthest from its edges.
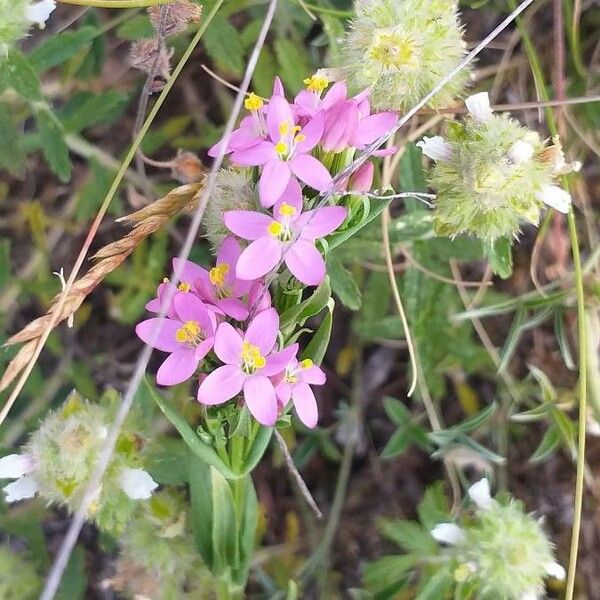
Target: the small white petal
(137, 484)
(480, 494)
(25, 487)
(39, 12)
(448, 533)
(555, 570)
(532, 595)
(16, 465)
(556, 197)
(435, 147)
(520, 152)
(479, 106)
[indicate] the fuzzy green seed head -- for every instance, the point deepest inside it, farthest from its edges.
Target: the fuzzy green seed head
(491, 175)
(18, 579)
(400, 49)
(234, 190)
(65, 449)
(509, 550)
(14, 23)
(158, 559)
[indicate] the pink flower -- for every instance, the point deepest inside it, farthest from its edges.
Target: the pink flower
(272, 236)
(308, 102)
(362, 179)
(295, 384)
(285, 152)
(249, 363)
(188, 337)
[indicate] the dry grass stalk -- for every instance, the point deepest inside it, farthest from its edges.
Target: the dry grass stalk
(144, 222)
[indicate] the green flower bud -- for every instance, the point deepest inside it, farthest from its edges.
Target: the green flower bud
(400, 49)
(491, 175)
(18, 579)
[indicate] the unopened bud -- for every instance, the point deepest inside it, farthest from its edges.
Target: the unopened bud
(173, 18)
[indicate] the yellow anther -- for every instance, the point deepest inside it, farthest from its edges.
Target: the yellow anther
(291, 378)
(299, 138)
(296, 128)
(286, 210)
(188, 332)
(253, 102)
(306, 363)
(284, 128)
(462, 573)
(275, 229)
(218, 274)
(184, 287)
(165, 280)
(394, 50)
(316, 83)
(252, 358)
(281, 147)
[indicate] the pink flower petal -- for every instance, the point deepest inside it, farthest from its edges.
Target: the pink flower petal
(362, 179)
(260, 257)
(258, 297)
(247, 224)
(229, 251)
(318, 223)
(179, 366)
(291, 196)
(278, 361)
(221, 385)
(278, 113)
(305, 262)
(204, 348)
(305, 404)
(260, 399)
(313, 375)
(254, 156)
(312, 133)
(190, 308)
(283, 391)
(373, 127)
(273, 182)
(228, 344)
(234, 308)
(159, 333)
(337, 93)
(340, 128)
(277, 87)
(188, 271)
(308, 169)
(262, 330)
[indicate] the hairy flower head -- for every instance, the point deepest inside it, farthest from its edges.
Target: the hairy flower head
(400, 49)
(491, 175)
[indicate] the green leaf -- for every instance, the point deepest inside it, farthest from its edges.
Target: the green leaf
(135, 28)
(437, 586)
(168, 461)
(550, 442)
(397, 444)
(12, 157)
(54, 148)
(387, 575)
(434, 507)
(248, 527)
(343, 283)
(4, 261)
(59, 48)
(396, 411)
(201, 509)
(499, 254)
(202, 450)
(316, 348)
(21, 76)
(74, 580)
(257, 449)
(224, 525)
(408, 535)
(224, 45)
(293, 64)
(477, 420)
(563, 341)
(85, 110)
(297, 315)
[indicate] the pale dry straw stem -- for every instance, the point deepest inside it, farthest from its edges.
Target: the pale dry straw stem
(105, 453)
(33, 353)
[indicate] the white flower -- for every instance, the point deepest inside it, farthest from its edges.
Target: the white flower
(479, 106)
(14, 466)
(520, 152)
(556, 197)
(436, 148)
(480, 494)
(39, 12)
(555, 570)
(531, 595)
(448, 533)
(24, 487)
(137, 484)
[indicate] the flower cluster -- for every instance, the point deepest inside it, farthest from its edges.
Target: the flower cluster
(400, 50)
(59, 458)
(222, 319)
(501, 551)
(17, 17)
(18, 578)
(157, 558)
(491, 174)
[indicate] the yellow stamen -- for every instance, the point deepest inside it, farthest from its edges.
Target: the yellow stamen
(316, 83)
(218, 274)
(299, 138)
(281, 147)
(253, 102)
(188, 332)
(306, 363)
(184, 287)
(284, 128)
(275, 229)
(252, 358)
(394, 50)
(285, 210)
